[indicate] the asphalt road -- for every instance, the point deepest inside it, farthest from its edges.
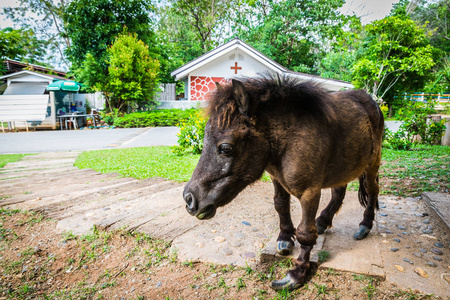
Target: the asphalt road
(71, 140)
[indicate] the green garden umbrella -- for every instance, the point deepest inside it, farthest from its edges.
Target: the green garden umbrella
(64, 86)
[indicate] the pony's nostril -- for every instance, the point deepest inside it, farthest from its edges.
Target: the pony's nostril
(190, 203)
(189, 200)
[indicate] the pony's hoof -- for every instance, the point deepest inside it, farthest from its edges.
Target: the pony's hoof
(285, 247)
(362, 232)
(321, 229)
(287, 283)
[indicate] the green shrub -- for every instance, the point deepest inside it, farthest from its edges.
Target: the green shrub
(415, 128)
(414, 117)
(190, 137)
(435, 131)
(154, 118)
(396, 140)
(110, 117)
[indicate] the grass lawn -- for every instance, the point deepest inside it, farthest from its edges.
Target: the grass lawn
(140, 163)
(426, 168)
(7, 158)
(405, 173)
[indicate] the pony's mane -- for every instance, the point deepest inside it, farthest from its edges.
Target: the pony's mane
(268, 93)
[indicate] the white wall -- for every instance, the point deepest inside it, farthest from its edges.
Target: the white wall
(29, 78)
(220, 67)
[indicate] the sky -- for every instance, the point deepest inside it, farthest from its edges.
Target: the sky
(368, 10)
(3, 21)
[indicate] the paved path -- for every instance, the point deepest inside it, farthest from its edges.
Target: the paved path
(73, 140)
(403, 239)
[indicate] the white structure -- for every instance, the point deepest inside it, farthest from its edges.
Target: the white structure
(236, 59)
(25, 90)
(24, 95)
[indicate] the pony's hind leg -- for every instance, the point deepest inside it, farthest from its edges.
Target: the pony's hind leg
(306, 235)
(325, 219)
(368, 197)
(285, 242)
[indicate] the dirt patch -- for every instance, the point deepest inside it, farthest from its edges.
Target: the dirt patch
(37, 262)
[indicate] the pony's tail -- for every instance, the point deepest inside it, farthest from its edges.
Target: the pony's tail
(362, 192)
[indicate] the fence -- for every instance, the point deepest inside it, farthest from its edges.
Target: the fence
(443, 100)
(168, 93)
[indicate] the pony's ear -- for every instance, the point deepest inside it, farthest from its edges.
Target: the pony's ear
(218, 86)
(241, 96)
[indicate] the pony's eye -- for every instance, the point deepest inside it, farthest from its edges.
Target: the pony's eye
(225, 148)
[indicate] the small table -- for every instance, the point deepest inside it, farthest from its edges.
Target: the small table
(73, 118)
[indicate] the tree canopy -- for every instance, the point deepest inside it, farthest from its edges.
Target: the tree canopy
(132, 72)
(93, 25)
(45, 19)
(293, 33)
(22, 45)
(392, 48)
(407, 51)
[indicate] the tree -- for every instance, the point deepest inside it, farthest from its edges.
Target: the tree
(296, 34)
(132, 72)
(92, 26)
(178, 40)
(394, 50)
(22, 45)
(187, 29)
(339, 60)
(131, 75)
(436, 16)
(206, 17)
(45, 19)
(337, 64)
(440, 82)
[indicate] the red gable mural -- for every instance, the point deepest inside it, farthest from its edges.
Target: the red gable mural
(202, 85)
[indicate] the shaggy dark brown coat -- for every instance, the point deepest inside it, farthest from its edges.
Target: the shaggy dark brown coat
(306, 138)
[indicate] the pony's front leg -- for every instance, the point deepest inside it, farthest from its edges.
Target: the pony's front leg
(285, 241)
(306, 235)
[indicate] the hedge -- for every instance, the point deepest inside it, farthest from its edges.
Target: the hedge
(154, 118)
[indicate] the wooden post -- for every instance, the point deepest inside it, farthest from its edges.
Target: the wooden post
(53, 109)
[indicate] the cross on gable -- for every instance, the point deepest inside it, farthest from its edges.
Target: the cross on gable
(236, 68)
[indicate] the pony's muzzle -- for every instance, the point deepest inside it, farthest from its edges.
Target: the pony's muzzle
(191, 203)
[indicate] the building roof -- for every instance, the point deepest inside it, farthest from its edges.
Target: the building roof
(26, 72)
(236, 43)
(14, 66)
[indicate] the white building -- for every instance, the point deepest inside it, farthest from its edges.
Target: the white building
(236, 59)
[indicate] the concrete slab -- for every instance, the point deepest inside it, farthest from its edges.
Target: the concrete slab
(54, 172)
(236, 235)
(121, 212)
(440, 204)
(346, 253)
(19, 165)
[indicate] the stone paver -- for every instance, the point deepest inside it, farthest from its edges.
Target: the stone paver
(409, 227)
(407, 246)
